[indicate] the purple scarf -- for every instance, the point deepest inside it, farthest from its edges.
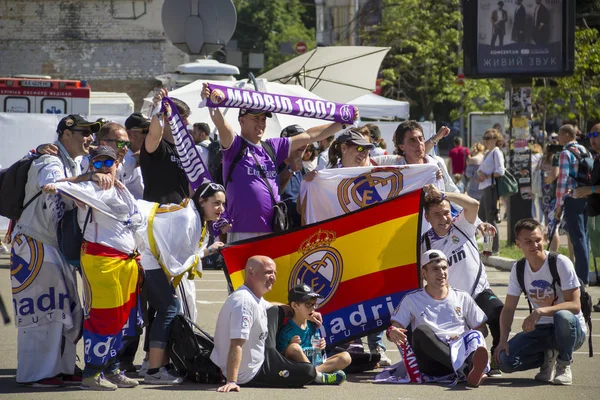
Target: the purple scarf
(223, 96)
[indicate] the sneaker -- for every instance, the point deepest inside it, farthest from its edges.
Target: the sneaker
(547, 370)
(121, 380)
(143, 369)
(479, 362)
(336, 378)
(97, 382)
(563, 373)
(163, 377)
(384, 360)
(45, 383)
(597, 306)
(494, 368)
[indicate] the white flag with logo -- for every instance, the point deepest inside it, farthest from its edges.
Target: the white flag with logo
(339, 191)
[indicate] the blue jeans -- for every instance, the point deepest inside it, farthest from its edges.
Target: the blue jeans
(527, 348)
(576, 216)
(375, 340)
(162, 297)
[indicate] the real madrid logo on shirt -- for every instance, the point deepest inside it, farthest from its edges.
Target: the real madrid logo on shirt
(369, 188)
(320, 267)
(455, 239)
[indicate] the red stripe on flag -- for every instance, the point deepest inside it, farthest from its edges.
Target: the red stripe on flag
(97, 249)
(368, 287)
(283, 244)
(109, 321)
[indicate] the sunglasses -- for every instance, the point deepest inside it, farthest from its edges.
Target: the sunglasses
(214, 186)
(593, 135)
(488, 138)
(84, 132)
(120, 143)
(310, 304)
(360, 148)
(107, 163)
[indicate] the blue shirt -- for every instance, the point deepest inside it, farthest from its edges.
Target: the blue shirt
(291, 329)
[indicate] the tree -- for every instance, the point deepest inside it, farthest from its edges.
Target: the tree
(263, 25)
(424, 60)
(575, 96)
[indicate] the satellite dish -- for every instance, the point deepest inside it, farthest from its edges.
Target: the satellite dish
(199, 26)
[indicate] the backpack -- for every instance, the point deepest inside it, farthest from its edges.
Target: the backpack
(586, 164)
(268, 148)
(12, 187)
(189, 348)
(215, 161)
(584, 297)
(70, 236)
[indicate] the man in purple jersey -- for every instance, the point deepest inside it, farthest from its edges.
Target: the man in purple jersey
(249, 200)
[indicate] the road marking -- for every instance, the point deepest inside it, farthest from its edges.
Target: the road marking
(593, 319)
(211, 290)
(209, 302)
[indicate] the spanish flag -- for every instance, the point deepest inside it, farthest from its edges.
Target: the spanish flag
(362, 263)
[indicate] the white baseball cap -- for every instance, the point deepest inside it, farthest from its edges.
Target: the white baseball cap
(432, 255)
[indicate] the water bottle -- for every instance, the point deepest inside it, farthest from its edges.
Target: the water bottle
(315, 341)
(488, 242)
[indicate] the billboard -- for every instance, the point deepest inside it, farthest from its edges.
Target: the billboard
(480, 122)
(519, 38)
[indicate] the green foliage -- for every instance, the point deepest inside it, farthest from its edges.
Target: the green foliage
(423, 62)
(578, 95)
(264, 24)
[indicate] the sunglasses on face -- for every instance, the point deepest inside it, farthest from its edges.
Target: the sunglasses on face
(120, 143)
(593, 135)
(310, 304)
(360, 148)
(84, 132)
(214, 186)
(488, 138)
(107, 163)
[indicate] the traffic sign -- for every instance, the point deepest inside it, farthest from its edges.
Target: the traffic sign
(460, 79)
(301, 47)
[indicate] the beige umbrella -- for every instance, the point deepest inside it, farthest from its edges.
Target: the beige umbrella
(336, 73)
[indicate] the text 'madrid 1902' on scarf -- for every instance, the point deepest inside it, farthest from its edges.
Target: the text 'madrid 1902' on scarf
(223, 96)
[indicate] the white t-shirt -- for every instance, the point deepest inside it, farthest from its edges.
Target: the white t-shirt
(492, 163)
(243, 316)
(377, 151)
(203, 154)
(448, 318)
(539, 285)
(463, 257)
(131, 175)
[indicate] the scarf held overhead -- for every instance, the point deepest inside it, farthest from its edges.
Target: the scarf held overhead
(223, 96)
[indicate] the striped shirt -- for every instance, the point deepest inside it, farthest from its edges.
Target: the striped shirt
(568, 167)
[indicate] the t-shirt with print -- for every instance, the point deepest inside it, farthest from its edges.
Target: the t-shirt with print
(449, 317)
(243, 316)
(463, 257)
(291, 329)
(164, 178)
(249, 202)
(539, 285)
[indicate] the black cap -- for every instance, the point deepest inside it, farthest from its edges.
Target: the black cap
(355, 137)
(76, 121)
(292, 130)
(244, 111)
(301, 293)
(103, 150)
(137, 120)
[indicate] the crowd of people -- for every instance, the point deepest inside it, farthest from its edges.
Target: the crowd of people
(131, 193)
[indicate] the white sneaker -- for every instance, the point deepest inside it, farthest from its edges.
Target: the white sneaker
(384, 360)
(163, 377)
(143, 368)
(563, 373)
(547, 369)
(97, 382)
(121, 380)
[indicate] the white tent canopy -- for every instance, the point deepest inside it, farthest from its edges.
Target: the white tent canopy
(378, 107)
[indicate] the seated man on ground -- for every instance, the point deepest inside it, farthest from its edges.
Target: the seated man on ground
(244, 336)
(439, 315)
(555, 328)
(294, 340)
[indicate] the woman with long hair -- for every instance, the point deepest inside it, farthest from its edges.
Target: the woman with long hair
(491, 168)
(473, 163)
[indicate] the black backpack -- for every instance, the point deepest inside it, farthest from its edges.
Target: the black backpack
(584, 297)
(215, 161)
(70, 236)
(585, 165)
(12, 187)
(189, 348)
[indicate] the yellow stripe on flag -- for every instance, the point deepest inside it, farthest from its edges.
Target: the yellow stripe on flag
(111, 280)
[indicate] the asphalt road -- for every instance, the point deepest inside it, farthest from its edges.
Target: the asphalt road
(211, 293)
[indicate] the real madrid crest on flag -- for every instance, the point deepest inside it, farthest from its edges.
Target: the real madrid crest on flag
(369, 188)
(320, 267)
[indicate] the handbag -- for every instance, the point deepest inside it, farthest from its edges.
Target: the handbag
(506, 184)
(280, 222)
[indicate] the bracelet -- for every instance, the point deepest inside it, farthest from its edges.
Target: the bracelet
(390, 329)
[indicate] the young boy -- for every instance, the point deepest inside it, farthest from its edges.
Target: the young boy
(294, 339)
